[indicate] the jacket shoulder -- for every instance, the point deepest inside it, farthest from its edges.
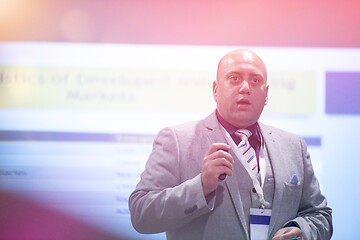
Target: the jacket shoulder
(194, 127)
(278, 133)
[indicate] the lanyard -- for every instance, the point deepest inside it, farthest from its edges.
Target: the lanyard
(253, 176)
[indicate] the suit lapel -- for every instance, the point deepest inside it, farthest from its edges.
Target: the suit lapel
(215, 135)
(277, 162)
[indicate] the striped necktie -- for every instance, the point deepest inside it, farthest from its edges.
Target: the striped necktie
(247, 152)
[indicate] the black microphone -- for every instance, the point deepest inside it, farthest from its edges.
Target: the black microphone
(223, 175)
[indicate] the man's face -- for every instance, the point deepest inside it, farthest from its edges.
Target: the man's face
(241, 88)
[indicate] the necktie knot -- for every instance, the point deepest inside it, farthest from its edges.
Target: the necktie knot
(247, 153)
(243, 134)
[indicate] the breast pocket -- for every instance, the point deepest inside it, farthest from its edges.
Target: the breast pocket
(292, 194)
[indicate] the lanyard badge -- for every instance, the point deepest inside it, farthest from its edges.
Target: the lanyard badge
(259, 223)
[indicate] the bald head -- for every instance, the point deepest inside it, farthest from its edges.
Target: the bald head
(241, 56)
(241, 89)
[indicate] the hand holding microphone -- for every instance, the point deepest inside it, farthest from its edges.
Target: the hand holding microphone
(223, 175)
(217, 163)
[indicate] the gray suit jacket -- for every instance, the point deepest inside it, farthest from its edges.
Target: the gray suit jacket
(169, 196)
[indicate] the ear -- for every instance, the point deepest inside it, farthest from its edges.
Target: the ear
(215, 88)
(267, 92)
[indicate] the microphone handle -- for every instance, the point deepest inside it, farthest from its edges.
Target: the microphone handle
(222, 176)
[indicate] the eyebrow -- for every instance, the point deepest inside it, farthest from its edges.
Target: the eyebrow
(240, 73)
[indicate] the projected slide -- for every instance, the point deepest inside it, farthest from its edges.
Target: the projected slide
(77, 122)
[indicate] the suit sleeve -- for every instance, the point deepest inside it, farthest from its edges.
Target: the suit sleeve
(314, 216)
(161, 200)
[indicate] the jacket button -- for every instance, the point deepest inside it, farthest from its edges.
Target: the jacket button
(253, 190)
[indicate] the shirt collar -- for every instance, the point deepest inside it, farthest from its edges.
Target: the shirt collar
(231, 129)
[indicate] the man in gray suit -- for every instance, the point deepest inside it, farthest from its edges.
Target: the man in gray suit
(182, 191)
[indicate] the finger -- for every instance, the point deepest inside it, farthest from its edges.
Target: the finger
(217, 146)
(291, 236)
(211, 165)
(218, 166)
(291, 233)
(224, 170)
(222, 162)
(279, 234)
(229, 158)
(221, 154)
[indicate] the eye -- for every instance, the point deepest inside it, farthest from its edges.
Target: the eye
(255, 80)
(234, 78)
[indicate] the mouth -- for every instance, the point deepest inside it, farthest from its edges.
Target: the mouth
(243, 102)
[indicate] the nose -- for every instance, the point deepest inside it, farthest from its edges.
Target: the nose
(244, 87)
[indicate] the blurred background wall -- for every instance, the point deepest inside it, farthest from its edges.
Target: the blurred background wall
(85, 85)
